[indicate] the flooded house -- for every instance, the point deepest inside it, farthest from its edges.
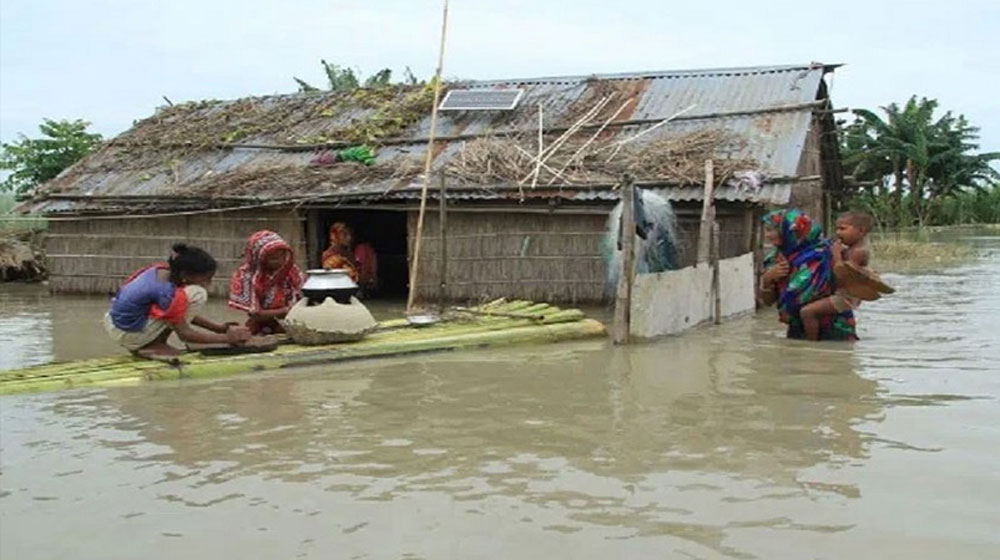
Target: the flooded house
(528, 170)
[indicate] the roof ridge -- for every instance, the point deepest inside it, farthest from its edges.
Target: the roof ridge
(654, 74)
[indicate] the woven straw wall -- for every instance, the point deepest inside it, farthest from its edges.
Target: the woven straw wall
(94, 256)
(540, 257)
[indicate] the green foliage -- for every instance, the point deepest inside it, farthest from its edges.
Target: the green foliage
(338, 78)
(964, 206)
(34, 161)
(382, 78)
(343, 78)
(970, 206)
(305, 87)
(391, 119)
(911, 161)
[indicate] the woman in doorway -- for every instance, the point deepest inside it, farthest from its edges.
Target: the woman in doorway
(340, 253)
(359, 260)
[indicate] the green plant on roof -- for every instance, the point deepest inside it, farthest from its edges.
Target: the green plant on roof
(391, 119)
(345, 78)
(234, 135)
(338, 78)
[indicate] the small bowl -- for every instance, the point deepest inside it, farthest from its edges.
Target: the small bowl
(422, 319)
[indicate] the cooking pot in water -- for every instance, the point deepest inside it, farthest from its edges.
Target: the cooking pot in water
(321, 284)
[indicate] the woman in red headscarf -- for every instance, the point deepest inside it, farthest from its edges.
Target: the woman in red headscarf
(340, 252)
(360, 261)
(267, 284)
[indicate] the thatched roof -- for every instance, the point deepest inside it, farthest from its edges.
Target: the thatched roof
(260, 148)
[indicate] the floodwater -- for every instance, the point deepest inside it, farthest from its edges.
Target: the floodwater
(728, 442)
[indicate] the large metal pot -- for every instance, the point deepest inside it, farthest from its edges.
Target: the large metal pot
(321, 284)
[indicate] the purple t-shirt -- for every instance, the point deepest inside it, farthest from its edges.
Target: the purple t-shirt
(130, 309)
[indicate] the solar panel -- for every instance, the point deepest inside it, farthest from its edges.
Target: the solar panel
(481, 99)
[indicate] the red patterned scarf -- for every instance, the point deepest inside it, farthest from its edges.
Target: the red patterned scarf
(253, 289)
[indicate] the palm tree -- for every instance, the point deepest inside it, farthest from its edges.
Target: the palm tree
(929, 158)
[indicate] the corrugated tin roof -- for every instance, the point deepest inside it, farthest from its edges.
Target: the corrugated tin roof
(774, 140)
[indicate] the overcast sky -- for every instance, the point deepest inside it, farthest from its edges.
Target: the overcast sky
(111, 61)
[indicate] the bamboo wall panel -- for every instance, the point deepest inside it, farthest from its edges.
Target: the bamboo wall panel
(94, 256)
(542, 257)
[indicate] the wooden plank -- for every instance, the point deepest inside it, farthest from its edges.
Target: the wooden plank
(707, 213)
(623, 297)
(442, 244)
(716, 289)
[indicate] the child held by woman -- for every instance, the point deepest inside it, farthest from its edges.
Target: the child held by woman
(851, 245)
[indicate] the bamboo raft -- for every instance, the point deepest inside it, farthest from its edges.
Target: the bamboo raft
(495, 324)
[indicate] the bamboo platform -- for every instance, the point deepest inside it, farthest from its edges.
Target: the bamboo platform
(495, 324)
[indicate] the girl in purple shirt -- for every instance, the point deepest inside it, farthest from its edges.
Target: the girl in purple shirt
(166, 297)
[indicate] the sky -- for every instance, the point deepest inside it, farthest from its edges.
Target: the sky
(111, 62)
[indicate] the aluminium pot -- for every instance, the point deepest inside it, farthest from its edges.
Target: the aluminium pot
(335, 283)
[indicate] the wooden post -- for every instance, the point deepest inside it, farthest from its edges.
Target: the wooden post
(443, 240)
(828, 226)
(314, 240)
(707, 213)
(623, 297)
(758, 251)
(415, 265)
(748, 221)
(716, 288)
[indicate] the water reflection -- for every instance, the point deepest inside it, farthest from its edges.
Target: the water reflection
(25, 329)
(583, 436)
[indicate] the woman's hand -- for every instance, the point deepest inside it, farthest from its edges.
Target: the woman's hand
(776, 272)
(237, 335)
(268, 314)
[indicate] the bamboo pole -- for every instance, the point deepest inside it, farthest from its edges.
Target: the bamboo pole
(707, 213)
(716, 288)
(578, 125)
(618, 145)
(541, 146)
(415, 268)
(443, 244)
(592, 138)
(623, 298)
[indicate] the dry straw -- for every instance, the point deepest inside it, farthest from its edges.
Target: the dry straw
(675, 159)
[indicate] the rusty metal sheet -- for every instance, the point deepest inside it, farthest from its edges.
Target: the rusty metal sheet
(775, 140)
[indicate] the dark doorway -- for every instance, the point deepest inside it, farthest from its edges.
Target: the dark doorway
(385, 230)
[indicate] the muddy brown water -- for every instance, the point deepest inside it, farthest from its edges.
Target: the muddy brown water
(728, 442)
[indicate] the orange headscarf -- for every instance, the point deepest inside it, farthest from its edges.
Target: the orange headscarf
(339, 254)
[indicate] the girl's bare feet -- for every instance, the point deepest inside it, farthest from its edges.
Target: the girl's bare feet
(159, 351)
